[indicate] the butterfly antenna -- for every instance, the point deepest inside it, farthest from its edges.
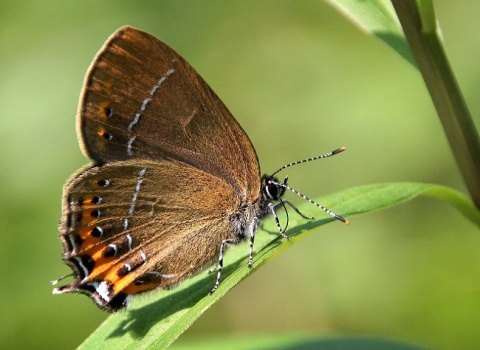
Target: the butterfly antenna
(326, 210)
(326, 155)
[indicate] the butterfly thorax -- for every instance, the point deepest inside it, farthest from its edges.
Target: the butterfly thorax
(247, 213)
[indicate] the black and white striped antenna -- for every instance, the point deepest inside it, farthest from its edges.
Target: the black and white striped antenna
(284, 185)
(326, 155)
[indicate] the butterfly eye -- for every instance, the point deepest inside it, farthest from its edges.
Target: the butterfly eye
(273, 191)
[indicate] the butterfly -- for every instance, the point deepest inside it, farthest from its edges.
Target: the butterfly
(174, 178)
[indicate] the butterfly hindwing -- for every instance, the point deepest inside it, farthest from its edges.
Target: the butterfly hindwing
(132, 226)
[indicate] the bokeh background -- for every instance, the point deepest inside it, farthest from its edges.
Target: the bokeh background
(301, 80)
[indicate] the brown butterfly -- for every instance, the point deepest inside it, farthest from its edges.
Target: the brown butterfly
(174, 178)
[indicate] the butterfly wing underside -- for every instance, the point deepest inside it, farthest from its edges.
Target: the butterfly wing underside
(171, 167)
(143, 100)
(139, 229)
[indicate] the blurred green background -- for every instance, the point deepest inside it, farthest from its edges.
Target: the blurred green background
(301, 80)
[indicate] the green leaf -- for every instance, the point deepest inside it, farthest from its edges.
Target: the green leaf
(155, 320)
(376, 17)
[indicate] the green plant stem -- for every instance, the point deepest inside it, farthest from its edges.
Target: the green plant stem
(420, 31)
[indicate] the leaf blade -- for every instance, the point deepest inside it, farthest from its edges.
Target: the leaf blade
(376, 17)
(156, 324)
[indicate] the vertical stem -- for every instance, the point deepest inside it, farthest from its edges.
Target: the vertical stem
(444, 91)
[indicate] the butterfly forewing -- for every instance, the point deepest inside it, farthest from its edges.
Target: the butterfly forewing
(149, 225)
(142, 100)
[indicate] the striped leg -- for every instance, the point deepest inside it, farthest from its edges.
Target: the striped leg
(297, 211)
(220, 261)
(252, 229)
(272, 208)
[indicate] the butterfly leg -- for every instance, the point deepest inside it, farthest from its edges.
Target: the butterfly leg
(220, 261)
(252, 230)
(297, 211)
(272, 208)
